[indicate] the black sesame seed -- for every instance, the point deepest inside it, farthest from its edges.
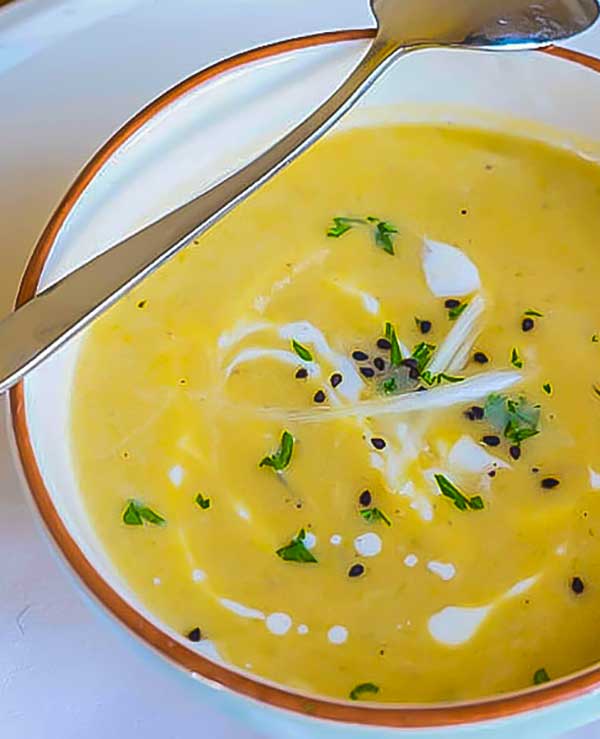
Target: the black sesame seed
(425, 326)
(378, 443)
(452, 303)
(492, 473)
(463, 212)
(480, 358)
(356, 570)
(535, 469)
(360, 356)
(577, 585)
(379, 363)
(301, 373)
(527, 324)
(491, 440)
(549, 482)
(367, 371)
(475, 412)
(195, 634)
(384, 344)
(142, 304)
(335, 379)
(365, 498)
(515, 451)
(319, 396)
(410, 362)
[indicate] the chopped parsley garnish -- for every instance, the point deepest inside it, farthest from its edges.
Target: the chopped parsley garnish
(383, 231)
(341, 225)
(456, 311)
(547, 388)
(203, 502)
(516, 419)
(301, 351)
(383, 236)
(375, 514)
(533, 313)
(540, 676)
(595, 338)
(440, 377)
(422, 354)
(389, 386)
(136, 514)
(362, 689)
(296, 551)
(515, 358)
(281, 458)
(461, 501)
(395, 352)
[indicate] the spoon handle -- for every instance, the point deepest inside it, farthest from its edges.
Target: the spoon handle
(38, 328)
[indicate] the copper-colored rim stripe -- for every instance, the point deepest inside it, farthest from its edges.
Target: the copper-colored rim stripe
(372, 714)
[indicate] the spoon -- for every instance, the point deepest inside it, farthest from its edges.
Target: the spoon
(39, 327)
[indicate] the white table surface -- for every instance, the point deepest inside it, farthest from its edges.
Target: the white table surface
(71, 72)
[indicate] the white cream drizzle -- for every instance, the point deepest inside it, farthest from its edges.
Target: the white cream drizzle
(240, 331)
(455, 625)
(370, 303)
(176, 475)
(306, 333)
(468, 456)
(594, 479)
(368, 545)
(448, 270)
(444, 570)
(337, 634)
(279, 623)
(280, 355)
(241, 610)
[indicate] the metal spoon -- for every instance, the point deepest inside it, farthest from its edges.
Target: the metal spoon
(37, 329)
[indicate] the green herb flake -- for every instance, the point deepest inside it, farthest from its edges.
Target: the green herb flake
(547, 388)
(516, 419)
(301, 351)
(389, 386)
(454, 313)
(362, 689)
(383, 236)
(595, 338)
(395, 351)
(203, 502)
(430, 379)
(422, 354)
(375, 514)
(515, 359)
(462, 502)
(383, 231)
(281, 458)
(296, 551)
(535, 313)
(540, 676)
(136, 514)
(341, 225)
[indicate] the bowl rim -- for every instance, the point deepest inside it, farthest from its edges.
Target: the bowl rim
(276, 696)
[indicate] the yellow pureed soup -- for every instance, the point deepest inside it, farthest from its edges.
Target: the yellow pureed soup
(351, 436)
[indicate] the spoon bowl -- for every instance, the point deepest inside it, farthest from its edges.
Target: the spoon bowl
(483, 24)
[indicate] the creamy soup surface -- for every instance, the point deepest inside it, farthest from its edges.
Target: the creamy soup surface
(350, 438)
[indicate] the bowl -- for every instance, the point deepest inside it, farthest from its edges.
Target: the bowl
(204, 128)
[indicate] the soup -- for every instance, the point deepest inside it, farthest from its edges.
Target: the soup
(349, 439)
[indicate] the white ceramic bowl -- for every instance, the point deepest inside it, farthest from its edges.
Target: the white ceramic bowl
(185, 141)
